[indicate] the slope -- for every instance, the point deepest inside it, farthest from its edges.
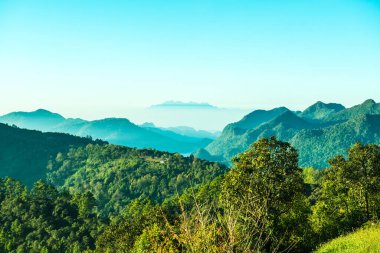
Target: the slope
(24, 154)
(118, 131)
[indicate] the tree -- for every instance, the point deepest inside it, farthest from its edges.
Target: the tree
(349, 194)
(265, 190)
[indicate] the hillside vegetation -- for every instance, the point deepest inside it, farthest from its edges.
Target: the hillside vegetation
(98, 197)
(24, 154)
(319, 132)
(365, 240)
(117, 175)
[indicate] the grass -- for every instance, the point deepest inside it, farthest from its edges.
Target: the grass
(365, 240)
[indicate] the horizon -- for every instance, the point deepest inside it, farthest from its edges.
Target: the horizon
(147, 114)
(109, 57)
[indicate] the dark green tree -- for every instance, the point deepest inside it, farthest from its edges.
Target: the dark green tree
(265, 191)
(349, 194)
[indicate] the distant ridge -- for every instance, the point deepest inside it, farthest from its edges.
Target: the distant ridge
(32, 120)
(183, 105)
(118, 131)
(319, 132)
(321, 110)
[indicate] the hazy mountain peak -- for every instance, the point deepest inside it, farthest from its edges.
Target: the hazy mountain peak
(40, 119)
(321, 110)
(37, 113)
(258, 117)
(46, 113)
(184, 105)
(369, 102)
(114, 120)
(148, 124)
(290, 119)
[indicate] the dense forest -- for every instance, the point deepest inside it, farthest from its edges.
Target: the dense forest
(24, 154)
(319, 132)
(97, 197)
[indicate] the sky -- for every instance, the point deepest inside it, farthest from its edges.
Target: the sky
(95, 59)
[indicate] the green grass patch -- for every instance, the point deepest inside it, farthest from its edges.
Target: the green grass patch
(365, 240)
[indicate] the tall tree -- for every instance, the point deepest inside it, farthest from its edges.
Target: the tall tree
(349, 193)
(265, 190)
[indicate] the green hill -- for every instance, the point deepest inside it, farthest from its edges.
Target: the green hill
(320, 110)
(367, 107)
(319, 132)
(365, 240)
(24, 154)
(316, 146)
(231, 143)
(116, 175)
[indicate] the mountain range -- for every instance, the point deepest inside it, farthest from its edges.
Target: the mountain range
(119, 131)
(319, 132)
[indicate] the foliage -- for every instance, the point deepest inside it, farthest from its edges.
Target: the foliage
(349, 193)
(24, 154)
(45, 220)
(318, 133)
(365, 240)
(117, 175)
(107, 198)
(266, 190)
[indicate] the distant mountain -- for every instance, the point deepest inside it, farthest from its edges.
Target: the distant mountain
(184, 105)
(367, 107)
(114, 130)
(24, 154)
(319, 132)
(233, 141)
(320, 110)
(258, 117)
(316, 146)
(186, 131)
(189, 131)
(38, 120)
(230, 142)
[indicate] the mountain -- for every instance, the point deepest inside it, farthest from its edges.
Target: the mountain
(319, 132)
(257, 117)
(185, 131)
(118, 131)
(316, 146)
(284, 126)
(184, 105)
(367, 107)
(38, 120)
(320, 110)
(24, 154)
(229, 143)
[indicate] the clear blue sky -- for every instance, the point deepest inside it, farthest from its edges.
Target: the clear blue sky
(95, 58)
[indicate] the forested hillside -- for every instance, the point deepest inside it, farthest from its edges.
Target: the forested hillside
(117, 199)
(117, 175)
(319, 132)
(24, 154)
